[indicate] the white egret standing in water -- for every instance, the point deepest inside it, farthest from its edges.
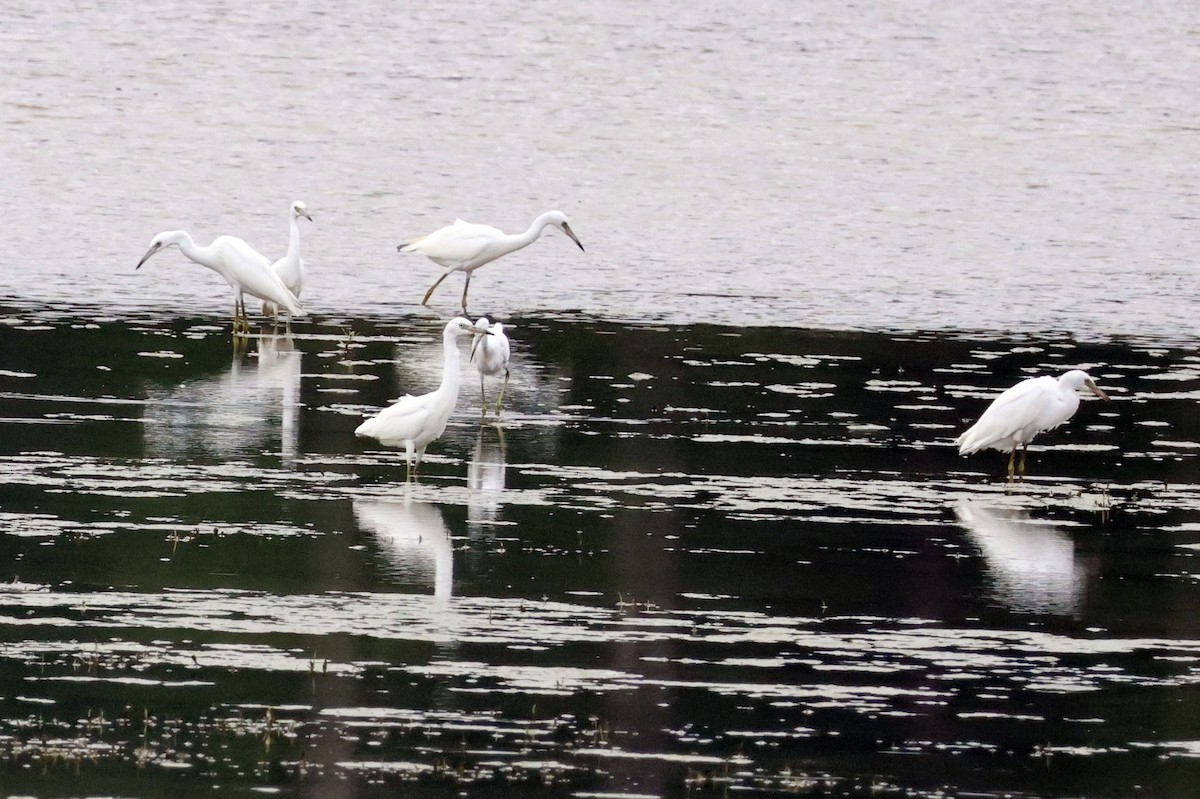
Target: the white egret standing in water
(290, 267)
(245, 269)
(1020, 413)
(413, 422)
(464, 247)
(490, 356)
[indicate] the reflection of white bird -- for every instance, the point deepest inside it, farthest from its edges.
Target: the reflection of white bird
(464, 247)
(244, 410)
(1023, 411)
(485, 480)
(490, 355)
(244, 269)
(411, 535)
(1032, 565)
(290, 267)
(279, 364)
(415, 421)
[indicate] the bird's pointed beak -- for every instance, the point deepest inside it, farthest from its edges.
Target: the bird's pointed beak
(153, 249)
(306, 216)
(477, 336)
(567, 229)
(1095, 389)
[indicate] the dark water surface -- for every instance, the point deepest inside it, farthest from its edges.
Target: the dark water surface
(692, 559)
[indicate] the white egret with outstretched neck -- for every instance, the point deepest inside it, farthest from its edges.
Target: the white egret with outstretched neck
(490, 356)
(245, 269)
(1020, 413)
(413, 422)
(464, 247)
(290, 267)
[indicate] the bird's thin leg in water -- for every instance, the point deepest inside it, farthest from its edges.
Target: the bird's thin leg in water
(500, 399)
(482, 399)
(1011, 463)
(436, 283)
(1021, 470)
(466, 285)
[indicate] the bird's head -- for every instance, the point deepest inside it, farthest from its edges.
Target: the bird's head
(1077, 378)
(168, 238)
(559, 219)
(299, 209)
(460, 326)
(483, 328)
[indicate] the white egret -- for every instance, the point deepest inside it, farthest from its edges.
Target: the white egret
(244, 269)
(1020, 413)
(490, 356)
(464, 247)
(290, 267)
(413, 422)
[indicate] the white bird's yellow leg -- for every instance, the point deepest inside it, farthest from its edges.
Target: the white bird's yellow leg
(466, 285)
(409, 472)
(483, 408)
(1021, 469)
(240, 325)
(500, 399)
(436, 283)
(1011, 463)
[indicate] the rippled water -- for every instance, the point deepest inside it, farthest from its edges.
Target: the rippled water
(721, 541)
(1016, 167)
(690, 558)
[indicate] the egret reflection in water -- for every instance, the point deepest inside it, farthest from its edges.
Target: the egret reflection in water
(486, 479)
(246, 409)
(414, 539)
(1032, 564)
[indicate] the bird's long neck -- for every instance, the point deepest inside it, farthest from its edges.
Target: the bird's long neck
(294, 238)
(205, 256)
(531, 235)
(449, 365)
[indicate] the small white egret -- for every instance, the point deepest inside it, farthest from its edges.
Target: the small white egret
(490, 356)
(464, 247)
(290, 267)
(413, 422)
(244, 269)
(1020, 413)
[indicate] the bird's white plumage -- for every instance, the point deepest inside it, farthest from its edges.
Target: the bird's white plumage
(245, 269)
(1028, 408)
(465, 246)
(290, 267)
(414, 421)
(490, 354)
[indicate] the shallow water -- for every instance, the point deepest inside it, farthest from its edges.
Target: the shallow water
(690, 557)
(721, 541)
(1029, 167)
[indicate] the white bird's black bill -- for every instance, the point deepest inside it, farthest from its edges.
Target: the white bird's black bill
(567, 229)
(153, 249)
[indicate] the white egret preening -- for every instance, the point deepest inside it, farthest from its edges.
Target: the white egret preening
(464, 247)
(413, 422)
(290, 267)
(245, 269)
(1020, 413)
(490, 356)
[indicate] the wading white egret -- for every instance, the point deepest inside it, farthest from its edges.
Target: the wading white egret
(290, 267)
(464, 247)
(413, 422)
(244, 269)
(490, 356)
(1020, 413)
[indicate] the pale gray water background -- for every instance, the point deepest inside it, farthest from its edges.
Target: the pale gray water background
(740, 557)
(1014, 166)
